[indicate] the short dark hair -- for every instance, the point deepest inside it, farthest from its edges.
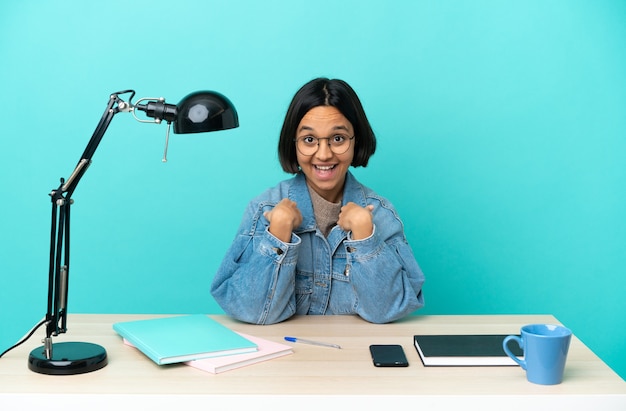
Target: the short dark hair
(326, 92)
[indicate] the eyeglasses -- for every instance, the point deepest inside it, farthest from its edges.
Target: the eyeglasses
(308, 145)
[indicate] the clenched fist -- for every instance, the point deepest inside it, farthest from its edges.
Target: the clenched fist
(283, 218)
(356, 219)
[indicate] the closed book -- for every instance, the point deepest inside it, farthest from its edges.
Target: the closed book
(169, 340)
(267, 351)
(464, 350)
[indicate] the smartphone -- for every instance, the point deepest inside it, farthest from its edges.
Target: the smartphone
(388, 355)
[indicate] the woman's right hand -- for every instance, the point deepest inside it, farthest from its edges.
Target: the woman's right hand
(283, 218)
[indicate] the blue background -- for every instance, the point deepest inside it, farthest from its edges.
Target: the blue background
(502, 139)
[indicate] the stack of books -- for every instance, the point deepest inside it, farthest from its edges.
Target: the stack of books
(198, 341)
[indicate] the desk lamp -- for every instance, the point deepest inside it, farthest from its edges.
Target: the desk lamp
(198, 112)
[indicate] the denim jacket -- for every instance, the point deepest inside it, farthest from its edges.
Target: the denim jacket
(263, 280)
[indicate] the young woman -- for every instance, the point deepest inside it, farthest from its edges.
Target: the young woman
(320, 242)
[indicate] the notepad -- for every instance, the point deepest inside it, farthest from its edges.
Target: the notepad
(464, 350)
(169, 340)
(267, 351)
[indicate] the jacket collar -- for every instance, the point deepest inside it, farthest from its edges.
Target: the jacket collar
(299, 192)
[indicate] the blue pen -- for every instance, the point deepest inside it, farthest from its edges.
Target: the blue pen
(321, 344)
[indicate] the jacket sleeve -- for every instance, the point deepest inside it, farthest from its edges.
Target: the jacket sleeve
(383, 271)
(255, 281)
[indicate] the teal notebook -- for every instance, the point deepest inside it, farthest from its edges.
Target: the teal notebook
(183, 338)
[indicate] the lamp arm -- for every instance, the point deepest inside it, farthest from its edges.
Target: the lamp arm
(58, 275)
(115, 105)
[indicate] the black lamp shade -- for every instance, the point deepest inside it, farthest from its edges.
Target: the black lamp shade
(204, 111)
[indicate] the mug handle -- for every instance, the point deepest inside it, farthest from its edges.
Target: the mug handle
(505, 342)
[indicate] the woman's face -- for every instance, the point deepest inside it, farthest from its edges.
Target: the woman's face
(325, 171)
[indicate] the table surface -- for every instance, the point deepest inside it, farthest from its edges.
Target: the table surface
(313, 370)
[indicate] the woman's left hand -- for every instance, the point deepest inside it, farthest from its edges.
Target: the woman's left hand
(356, 219)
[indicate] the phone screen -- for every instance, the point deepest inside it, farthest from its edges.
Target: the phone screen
(388, 355)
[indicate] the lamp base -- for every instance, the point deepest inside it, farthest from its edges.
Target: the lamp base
(68, 358)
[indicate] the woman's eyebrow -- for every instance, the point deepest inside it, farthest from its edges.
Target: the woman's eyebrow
(309, 128)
